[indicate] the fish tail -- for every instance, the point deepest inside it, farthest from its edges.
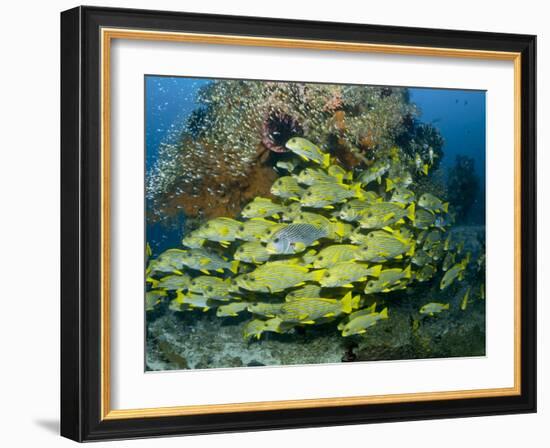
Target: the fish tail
(407, 271)
(425, 169)
(412, 250)
(347, 303)
(389, 184)
(384, 313)
(317, 275)
(446, 306)
(411, 212)
(326, 160)
(359, 193)
(234, 266)
(446, 207)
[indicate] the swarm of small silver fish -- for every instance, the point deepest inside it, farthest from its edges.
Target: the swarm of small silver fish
(329, 248)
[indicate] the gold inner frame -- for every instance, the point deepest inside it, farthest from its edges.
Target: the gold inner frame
(107, 35)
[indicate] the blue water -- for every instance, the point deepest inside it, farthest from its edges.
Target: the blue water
(460, 117)
(168, 102)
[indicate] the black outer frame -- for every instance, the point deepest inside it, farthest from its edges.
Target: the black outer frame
(81, 208)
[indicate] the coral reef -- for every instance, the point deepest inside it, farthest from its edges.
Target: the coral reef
(237, 133)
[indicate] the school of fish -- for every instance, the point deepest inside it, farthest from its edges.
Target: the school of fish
(328, 247)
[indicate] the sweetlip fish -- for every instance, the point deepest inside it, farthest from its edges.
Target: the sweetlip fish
(252, 252)
(310, 310)
(222, 230)
(205, 261)
(347, 272)
(331, 255)
(294, 238)
(325, 195)
(433, 203)
(432, 308)
(262, 208)
(254, 229)
(308, 151)
(383, 214)
(360, 322)
(276, 277)
(287, 187)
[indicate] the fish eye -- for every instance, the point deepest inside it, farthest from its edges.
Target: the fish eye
(308, 193)
(247, 207)
(320, 258)
(245, 277)
(193, 283)
(241, 228)
(210, 288)
(369, 214)
(276, 240)
(327, 274)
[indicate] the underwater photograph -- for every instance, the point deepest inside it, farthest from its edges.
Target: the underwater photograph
(292, 223)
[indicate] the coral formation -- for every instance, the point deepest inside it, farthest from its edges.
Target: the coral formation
(225, 152)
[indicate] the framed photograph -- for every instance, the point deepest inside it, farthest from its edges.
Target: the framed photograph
(276, 224)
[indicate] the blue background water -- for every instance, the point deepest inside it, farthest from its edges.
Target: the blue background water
(460, 117)
(458, 114)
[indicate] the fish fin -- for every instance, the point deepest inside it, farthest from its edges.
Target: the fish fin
(310, 322)
(179, 296)
(204, 261)
(205, 309)
(234, 266)
(388, 229)
(300, 284)
(389, 184)
(205, 271)
(376, 270)
(276, 216)
(349, 285)
(154, 283)
(412, 250)
(446, 207)
(425, 169)
(326, 160)
(328, 207)
(347, 303)
(411, 212)
(401, 221)
(384, 313)
(379, 180)
(317, 275)
(388, 216)
(399, 257)
(355, 302)
(225, 244)
(446, 306)
(407, 271)
(339, 230)
(359, 192)
(304, 158)
(331, 314)
(219, 270)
